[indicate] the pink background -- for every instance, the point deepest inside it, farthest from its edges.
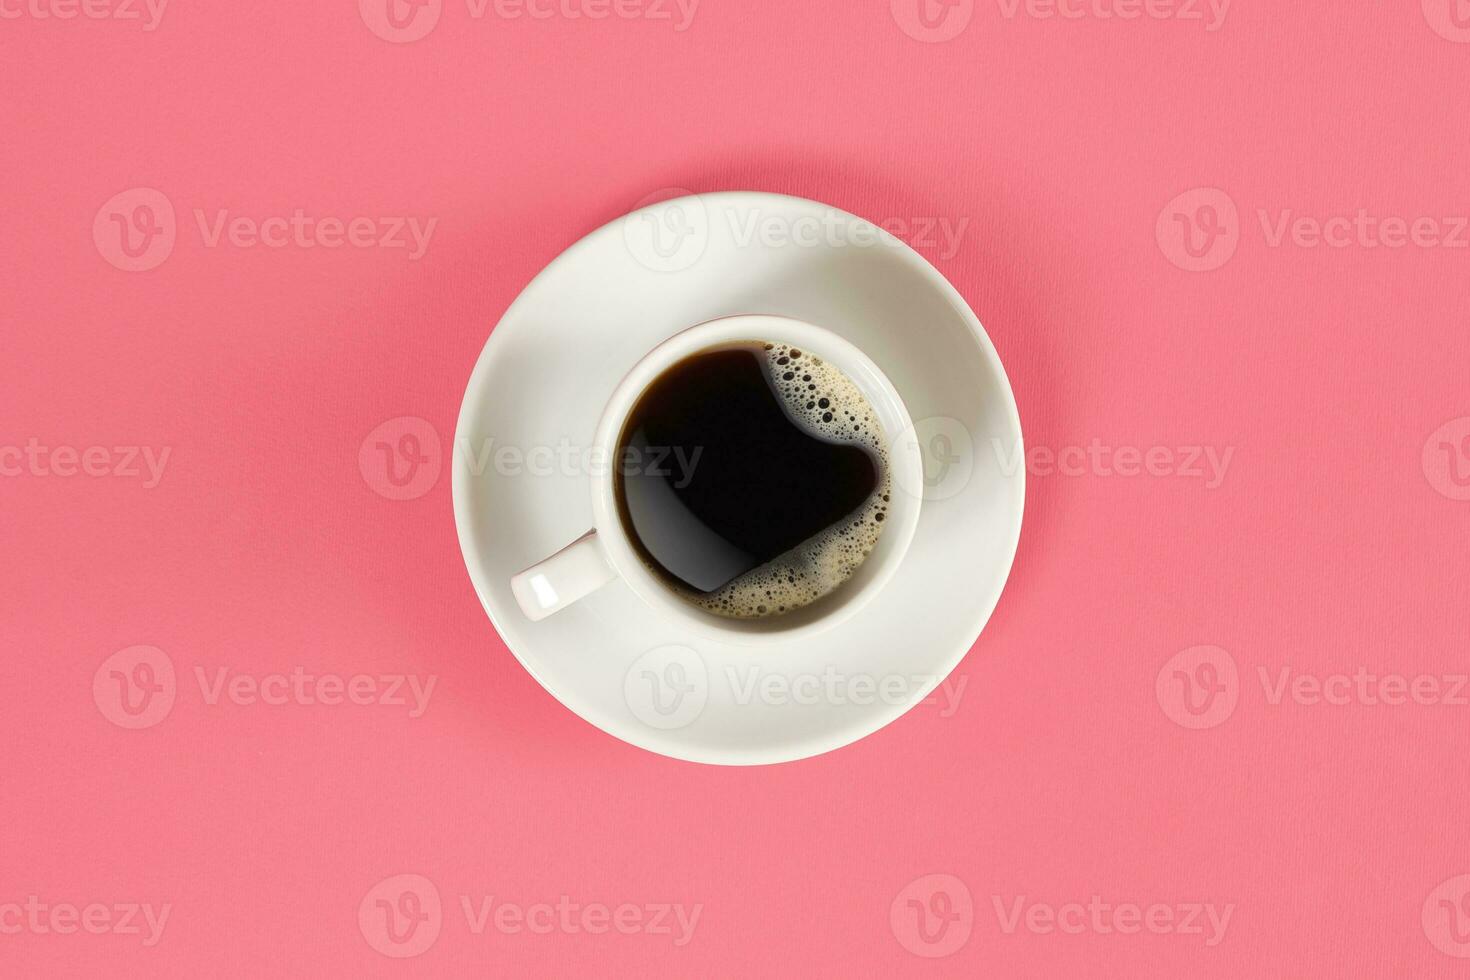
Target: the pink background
(1334, 543)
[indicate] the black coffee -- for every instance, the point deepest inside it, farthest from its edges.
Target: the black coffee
(752, 478)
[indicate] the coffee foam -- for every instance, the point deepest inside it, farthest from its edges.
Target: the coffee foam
(824, 401)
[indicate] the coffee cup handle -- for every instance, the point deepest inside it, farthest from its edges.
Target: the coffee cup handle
(554, 583)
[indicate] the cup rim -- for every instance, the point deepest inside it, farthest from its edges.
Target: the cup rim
(904, 459)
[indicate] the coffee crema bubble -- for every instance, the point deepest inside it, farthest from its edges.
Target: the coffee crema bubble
(788, 486)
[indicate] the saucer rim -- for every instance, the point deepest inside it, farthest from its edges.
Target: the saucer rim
(655, 740)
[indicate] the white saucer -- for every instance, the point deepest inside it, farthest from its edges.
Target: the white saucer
(546, 374)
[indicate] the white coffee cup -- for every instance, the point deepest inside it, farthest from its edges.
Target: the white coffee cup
(605, 552)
